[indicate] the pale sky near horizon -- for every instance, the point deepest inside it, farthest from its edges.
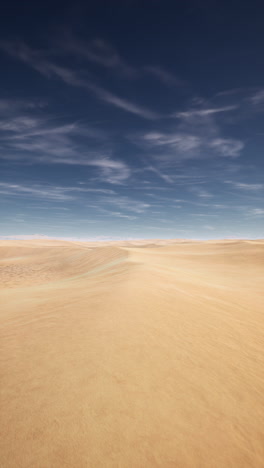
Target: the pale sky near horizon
(132, 119)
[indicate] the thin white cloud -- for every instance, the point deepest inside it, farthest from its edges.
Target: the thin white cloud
(125, 204)
(186, 145)
(201, 193)
(205, 215)
(111, 171)
(44, 141)
(163, 176)
(182, 142)
(245, 186)
(196, 136)
(97, 51)
(164, 76)
(48, 192)
(114, 172)
(257, 98)
(124, 104)
(257, 211)
(9, 105)
(118, 214)
(249, 186)
(204, 112)
(209, 227)
(38, 61)
(227, 147)
(19, 124)
(231, 92)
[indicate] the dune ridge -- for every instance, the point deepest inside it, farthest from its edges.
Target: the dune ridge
(132, 354)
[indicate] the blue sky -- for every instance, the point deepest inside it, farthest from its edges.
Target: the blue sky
(132, 119)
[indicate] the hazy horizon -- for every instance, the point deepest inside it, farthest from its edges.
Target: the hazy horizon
(117, 239)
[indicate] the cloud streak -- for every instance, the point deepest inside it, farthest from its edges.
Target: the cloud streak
(39, 62)
(48, 192)
(184, 145)
(33, 139)
(197, 135)
(164, 76)
(97, 51)
(257, 211)
(246, 186)
(204, 112)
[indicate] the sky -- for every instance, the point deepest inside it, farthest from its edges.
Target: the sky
(132, 119)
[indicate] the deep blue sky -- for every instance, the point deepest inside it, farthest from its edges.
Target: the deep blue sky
(132, 119)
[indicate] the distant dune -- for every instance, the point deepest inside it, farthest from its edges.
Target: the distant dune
(132, 354)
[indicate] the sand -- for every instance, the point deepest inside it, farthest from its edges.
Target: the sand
(132, 354)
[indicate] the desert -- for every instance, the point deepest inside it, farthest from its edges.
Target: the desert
(132, 354)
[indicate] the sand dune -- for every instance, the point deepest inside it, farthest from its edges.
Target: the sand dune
(132, 354)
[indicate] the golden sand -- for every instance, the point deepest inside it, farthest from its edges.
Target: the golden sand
(132, 355)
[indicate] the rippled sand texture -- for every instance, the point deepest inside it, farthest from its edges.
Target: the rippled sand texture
(132, 355)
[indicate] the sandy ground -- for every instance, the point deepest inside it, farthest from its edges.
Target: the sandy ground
(133, 354)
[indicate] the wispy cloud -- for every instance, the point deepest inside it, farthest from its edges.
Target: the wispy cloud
(257, 98)
(39, 62)
(245, 186)
(201, 193)
(114, 172)
(164, 76)
(187, 146)
(125, 204)
(104, 54)
(204, 112)
(8, 106)
(228, 147)
(205, 215)
(118, 214)
(182, 142)
(257, 211)
(209, 227)
(249, 186)
(97, 51)
(196, 135)
(167, 178)
(24, 127)
(43, 140)
(48, 192)
(111, 171)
